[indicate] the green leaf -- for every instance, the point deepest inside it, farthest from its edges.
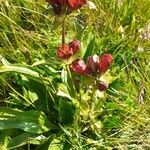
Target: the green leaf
(63, 91)
(45, 145)
(67, 79)
(25, 70)
(56, 145)
(30, 121)
(37, 93)
(107, 77)
(18, 69)
(88, 48)
(23, 139)
(113, 122)
(66, 111)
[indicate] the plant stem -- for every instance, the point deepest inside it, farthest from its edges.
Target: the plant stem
(70, 79)
(67, 66)
(92, 95)
(63, 30)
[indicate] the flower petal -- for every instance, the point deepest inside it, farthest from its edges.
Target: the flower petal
(104, 63)
(64, 52)
(75, 4)
(80, 67)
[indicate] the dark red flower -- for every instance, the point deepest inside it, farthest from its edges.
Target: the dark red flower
(104, 63)
(62, 2)
(57, 5)
(80, 67)
(64, 52)
(60, 6)
(92, 63)
(75, 4)
(75, 45)
(102, 86)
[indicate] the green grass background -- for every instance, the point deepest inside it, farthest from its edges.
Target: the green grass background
(30, 32)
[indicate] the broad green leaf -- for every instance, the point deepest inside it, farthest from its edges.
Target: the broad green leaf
(23, 139)
(37, 93)
(68, 81)
(88, 48)
(66, 111)
(18, 69)
(30, 121)
(25, 70)
(15, 138)
(63, 91)
(107, 77)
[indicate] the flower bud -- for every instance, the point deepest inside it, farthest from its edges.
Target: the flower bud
(102, 86)
(75, 45)
(104, 63)
(64, 52)
(78, 66)
(92, 63)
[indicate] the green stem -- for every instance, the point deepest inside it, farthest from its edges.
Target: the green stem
(92, 95)
(63, 30)
(70, 78)
(28, 145)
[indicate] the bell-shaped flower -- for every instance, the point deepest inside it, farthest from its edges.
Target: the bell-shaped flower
(63, 6)
(64, 52)
(76, 4)
(104, 63)
(75, 45)
(92, 63)
(67, 50)
(79, 67)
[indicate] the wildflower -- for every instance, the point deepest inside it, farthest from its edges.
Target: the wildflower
(102, 86)
(67, 50)
(79, 66)
(92, 63)
(76, 4)
(57, 5)
(60, 6)
(64, 52)
(75, 45)
(104, 63)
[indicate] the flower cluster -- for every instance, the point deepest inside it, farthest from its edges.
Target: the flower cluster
(96, 65)
(62, 6)
(65, 51)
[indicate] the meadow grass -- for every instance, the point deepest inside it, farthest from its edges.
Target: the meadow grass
(30, 32)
